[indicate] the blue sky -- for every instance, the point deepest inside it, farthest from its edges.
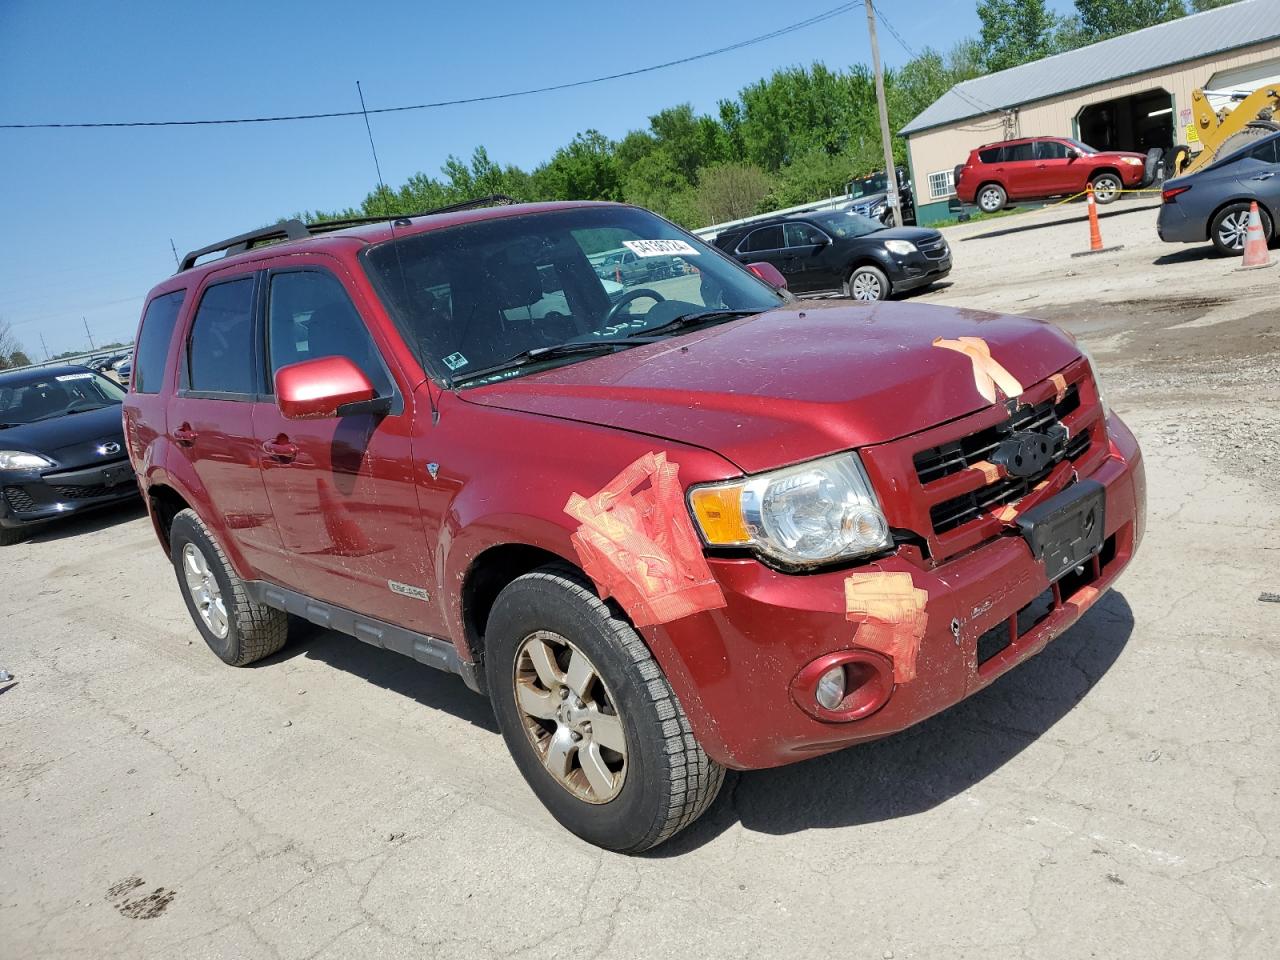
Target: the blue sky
(88, 214)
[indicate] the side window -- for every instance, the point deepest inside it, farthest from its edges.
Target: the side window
(220, 353)
(1267, 152)
(992, 155)
(766, 238)
(803, 235)
(1050, 150)
(309, 316)
(1017, 151)
(153, 341)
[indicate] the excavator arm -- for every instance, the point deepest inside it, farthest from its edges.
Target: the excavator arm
(1230, 128)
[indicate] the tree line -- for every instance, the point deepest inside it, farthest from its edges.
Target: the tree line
(794, 137)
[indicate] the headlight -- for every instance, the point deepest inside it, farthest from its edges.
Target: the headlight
(1097, 380)
(805, 515)
(1132, 161)
(21, 460)
(900, 247)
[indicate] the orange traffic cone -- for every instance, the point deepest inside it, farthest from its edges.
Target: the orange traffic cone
(1095, 233)
(1256, 253)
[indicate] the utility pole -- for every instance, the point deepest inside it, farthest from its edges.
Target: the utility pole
(87, 333)
(890, 169)
(46, 348)
(176, 261)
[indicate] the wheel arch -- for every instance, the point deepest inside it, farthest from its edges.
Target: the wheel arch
(488, 574)
(1262, 206)
(164, 503)
(1103, 171)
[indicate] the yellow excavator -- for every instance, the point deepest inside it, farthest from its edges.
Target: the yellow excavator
(1222, 131)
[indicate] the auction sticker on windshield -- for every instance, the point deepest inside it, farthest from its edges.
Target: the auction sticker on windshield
(74, 376)
(455, 361)
(659, 248)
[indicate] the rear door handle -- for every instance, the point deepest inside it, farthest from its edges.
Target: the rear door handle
(184, 435)
(1264, 176)
(282, 451)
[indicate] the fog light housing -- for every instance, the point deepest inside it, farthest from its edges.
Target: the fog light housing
(830, 691)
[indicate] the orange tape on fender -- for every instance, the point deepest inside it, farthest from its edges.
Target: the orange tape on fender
(639, 545)
(987, 371)
(891, 609)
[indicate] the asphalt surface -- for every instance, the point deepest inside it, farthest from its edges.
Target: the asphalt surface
(1116, 796)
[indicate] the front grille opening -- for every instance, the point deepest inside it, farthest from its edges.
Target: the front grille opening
(1035, 612)
(84, 492)
(19, 499)
(994, 641)
(934, 463)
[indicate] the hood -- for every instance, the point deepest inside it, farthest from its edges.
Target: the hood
(801, 381)
(72, 440)
(914, 234)
(1121, 153)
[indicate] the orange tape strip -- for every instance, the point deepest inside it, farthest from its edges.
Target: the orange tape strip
(990, 472)
(891, 610)
(987, 371)
(1060, 384)
(639, 545)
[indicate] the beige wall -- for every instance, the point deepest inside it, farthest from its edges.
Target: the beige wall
(943, 147)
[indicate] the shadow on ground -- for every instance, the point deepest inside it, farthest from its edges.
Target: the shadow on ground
(1046, 224)
(387, 669)
(929, 764)
(99, 519)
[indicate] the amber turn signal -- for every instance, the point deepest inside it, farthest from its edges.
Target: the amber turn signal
(718, 511)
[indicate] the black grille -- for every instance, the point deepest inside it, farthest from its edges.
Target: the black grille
(933, 249)
(86, 492)
(941, 461)
(19, 499)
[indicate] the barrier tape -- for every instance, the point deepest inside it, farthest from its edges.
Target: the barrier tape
(1085, 193)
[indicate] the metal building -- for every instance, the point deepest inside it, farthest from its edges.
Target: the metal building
(1131, 92)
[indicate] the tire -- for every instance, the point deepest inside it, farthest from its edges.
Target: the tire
(1106, 188)
(1152, 171)
(1177, 161)
(991, 198)
(1254, 130)
(236, 628)
(1227, 229)
(867, 284)
(642, 794)
(11, 535)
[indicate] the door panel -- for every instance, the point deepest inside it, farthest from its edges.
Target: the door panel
(1054, 172)
(1019, 170)
(805, 267)
(342, 489)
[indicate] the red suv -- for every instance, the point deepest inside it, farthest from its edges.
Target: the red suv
(1040, 167)
(668, 528)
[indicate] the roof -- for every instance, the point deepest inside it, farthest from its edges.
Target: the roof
(50, 370)
(1188, 38)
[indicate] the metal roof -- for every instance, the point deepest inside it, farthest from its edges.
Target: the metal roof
(1188, 38)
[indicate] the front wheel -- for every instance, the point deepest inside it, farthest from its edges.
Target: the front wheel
(11, 535)
(1107, 188)
(589, 717)
(1230, 228)
(867, 284)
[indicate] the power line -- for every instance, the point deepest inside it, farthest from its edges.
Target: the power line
(741, 44)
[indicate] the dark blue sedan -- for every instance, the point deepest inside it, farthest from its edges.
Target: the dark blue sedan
(1213, 203)
(61, 447)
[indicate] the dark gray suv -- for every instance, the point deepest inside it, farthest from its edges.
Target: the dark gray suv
(1213, 203)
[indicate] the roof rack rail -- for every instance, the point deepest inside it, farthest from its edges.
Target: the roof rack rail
(297, 230)
(284, 230)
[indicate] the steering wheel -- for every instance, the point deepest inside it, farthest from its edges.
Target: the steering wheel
(627, 299)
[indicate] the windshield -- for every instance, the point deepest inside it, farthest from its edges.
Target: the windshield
(846, 224)
(41, 396)
(1082, 147)
(866, 186)
(474, 295)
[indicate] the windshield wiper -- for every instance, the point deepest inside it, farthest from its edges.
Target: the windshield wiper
(534, 354)
(692, 319)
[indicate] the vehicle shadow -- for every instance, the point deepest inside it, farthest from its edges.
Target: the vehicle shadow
(387, 669)
(931, 763)
(1204, 251)
(1046, 224)
(99, 519)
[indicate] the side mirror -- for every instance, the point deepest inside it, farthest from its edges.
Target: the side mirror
(325, 387)
(769, 274)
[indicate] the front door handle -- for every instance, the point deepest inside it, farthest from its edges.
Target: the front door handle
(1264, 176)
(281, 450)
(184, 435)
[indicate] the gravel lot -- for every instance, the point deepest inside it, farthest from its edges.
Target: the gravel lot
(1116, 796)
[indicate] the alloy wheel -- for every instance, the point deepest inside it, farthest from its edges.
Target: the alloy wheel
(204, 590)
(1234, 229)
(570, 717)
(1105, 189)
(865, 287)
(989, 201)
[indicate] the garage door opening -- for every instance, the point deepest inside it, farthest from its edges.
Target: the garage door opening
(1137, 122)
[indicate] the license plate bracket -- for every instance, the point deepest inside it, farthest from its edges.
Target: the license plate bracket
(1066, 530)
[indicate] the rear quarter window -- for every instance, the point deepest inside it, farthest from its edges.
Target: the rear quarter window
(154, 339)
(991, 155)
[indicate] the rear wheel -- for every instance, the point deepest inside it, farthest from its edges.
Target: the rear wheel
(236, 628)
(867, 284)
(991, 197)
(589, 718)
(1230, 228)
(1106, 188)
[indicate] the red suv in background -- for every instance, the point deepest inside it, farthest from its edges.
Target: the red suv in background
(1040, 167)
(668, 528)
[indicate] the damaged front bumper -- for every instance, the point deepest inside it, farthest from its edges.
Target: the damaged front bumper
(989, 607)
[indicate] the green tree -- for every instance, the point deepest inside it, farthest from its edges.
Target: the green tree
(19, 359)
(585, 169)
(1100, 19)
(1015, 32)
(730, 191)
(1199, 6)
